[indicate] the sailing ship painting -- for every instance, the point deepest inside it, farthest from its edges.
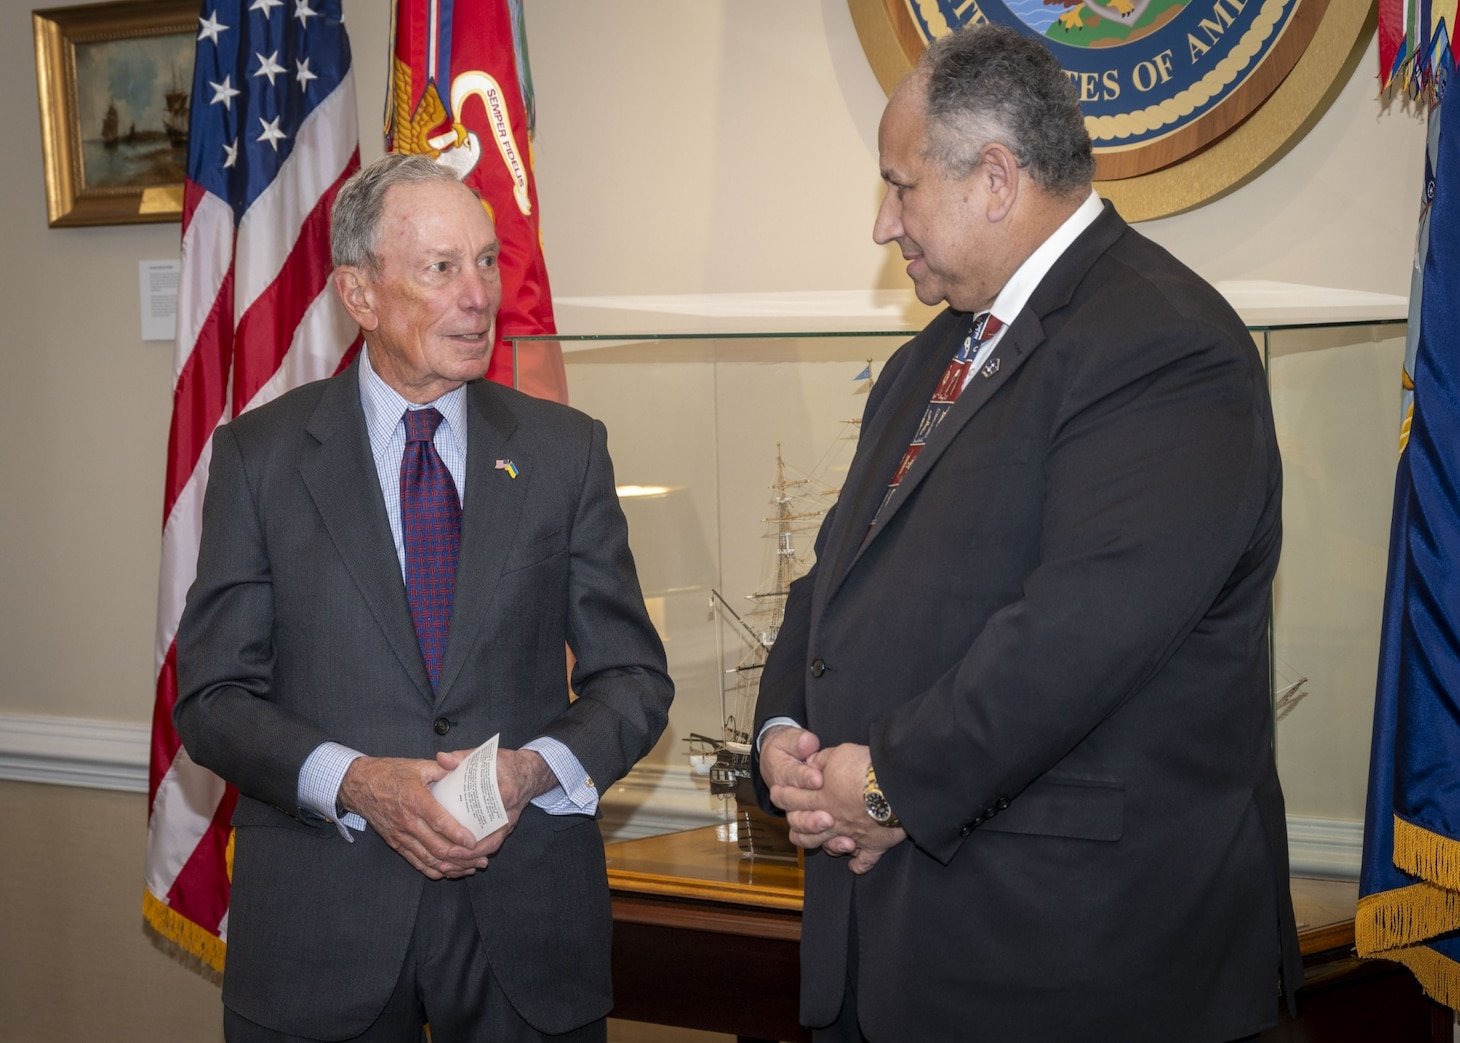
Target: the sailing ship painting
(109, 136)
(132, 107)
(175, 119)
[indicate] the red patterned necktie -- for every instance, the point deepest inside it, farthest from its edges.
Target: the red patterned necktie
(430, 517)
(983, 327)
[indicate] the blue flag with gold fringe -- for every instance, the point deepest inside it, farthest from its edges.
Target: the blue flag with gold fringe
(1409, 885)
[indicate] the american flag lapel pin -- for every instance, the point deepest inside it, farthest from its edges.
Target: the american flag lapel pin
(508, 466)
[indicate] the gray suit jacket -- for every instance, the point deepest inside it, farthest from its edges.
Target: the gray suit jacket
(297, 630)
(1055, 643)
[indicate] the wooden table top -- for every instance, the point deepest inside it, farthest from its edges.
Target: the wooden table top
(705, 865)
(702, 864)
(1325, 912)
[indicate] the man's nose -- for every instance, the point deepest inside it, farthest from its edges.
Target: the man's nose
(888, 225)
(479, 289)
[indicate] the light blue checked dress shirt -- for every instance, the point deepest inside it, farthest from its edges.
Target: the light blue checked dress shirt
(324, 769)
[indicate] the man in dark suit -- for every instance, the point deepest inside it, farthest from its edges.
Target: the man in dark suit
(1024, 691)
(315, 677)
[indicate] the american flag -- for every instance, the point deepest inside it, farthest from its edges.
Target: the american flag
(273, 135)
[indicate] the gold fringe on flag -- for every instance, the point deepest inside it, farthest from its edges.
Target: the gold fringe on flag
(1398, 924)
(1437, 975)
(1404, 916)
(1430, 856)
(176, 931)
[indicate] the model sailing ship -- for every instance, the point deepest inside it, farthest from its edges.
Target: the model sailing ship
(798, 504)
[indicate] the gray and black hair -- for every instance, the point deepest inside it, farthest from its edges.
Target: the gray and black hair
(355, 217)
(992, 83)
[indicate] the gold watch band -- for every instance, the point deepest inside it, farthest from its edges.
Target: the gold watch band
(877, 805)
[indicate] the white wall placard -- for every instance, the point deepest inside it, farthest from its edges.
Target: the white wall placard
(157, 286)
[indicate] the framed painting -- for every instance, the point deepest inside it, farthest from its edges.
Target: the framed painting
(115, 81)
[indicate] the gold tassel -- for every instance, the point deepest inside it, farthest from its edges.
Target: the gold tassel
(201, 946)
(1404, 916)
(1436, 974)
(1429, 856)
(1394, 925)
(1397, 925)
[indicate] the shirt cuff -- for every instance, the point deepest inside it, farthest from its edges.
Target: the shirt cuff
(774, 722)
(575, 793)
(319, 786)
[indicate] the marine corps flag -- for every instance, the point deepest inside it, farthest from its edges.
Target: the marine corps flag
(1409, 886)
(458, 81)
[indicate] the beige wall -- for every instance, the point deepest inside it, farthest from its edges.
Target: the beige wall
(74, 963)
(682, 148)
(696, 147)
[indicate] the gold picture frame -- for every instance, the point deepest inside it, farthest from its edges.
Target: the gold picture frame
(100, 69)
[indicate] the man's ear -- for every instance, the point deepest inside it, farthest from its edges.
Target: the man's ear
(1001, 169)
(353, 287)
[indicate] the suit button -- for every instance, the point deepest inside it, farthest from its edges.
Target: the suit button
(1003, 804)
(442, 726)
(818, 667)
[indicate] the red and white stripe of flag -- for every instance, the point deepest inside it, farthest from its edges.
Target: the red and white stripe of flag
(256, 317)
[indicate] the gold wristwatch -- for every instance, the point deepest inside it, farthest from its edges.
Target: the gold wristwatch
(877, 805)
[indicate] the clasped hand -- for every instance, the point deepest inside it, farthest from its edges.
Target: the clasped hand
(821, 791)
(393, 795)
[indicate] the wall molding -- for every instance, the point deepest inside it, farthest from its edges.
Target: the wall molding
(74, 751)
(1326, 847)
(112, 755)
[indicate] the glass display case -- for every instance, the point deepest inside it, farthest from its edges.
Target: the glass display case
(1336, 402)
(730, 437)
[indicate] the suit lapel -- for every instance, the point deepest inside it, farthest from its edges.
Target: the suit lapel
(1017, 343)
(1024, 335)
(490, 515)
(340, 476)
(887, 434)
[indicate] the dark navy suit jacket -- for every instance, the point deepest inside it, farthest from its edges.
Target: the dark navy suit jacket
(1054, 641)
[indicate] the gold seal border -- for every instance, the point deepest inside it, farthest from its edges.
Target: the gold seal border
(892, 43)
(1199, 94)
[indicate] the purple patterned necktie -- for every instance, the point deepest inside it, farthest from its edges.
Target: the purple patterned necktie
(955, 376)
(430, 518)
